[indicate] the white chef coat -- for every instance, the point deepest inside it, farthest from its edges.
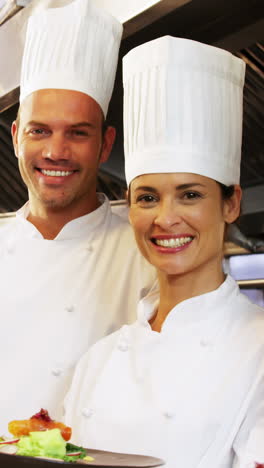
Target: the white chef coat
(192, 394)
(57, 298)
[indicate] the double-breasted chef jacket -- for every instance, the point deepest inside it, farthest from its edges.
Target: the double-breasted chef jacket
(192, 394)
(57, 298)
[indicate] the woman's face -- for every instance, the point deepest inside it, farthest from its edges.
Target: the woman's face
(179, 220)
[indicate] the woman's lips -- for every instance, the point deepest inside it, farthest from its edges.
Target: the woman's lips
(170, 244)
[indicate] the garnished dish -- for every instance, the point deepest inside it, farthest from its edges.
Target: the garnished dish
(39, 442)
(41, 436)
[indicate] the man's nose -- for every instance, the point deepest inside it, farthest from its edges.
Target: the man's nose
(56, 147)
(168, 214)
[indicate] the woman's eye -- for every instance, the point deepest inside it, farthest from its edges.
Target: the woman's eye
(191, 195)
(146, 199)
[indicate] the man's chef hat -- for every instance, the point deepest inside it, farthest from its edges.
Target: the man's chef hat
(183, 110)
(72, 47)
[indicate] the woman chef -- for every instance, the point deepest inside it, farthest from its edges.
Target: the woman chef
(185, 382)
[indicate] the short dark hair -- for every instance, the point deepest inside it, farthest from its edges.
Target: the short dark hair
(227, 191)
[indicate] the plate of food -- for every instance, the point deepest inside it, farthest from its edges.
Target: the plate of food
(40, 442)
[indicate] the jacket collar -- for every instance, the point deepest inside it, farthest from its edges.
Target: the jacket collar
(79, 227)
(191, 311)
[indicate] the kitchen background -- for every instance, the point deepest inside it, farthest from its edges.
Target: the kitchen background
(236, 25)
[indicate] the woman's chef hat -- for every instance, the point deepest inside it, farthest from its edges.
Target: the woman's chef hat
(72, 47)
(183, 110)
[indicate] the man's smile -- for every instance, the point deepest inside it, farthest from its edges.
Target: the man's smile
(53, 173)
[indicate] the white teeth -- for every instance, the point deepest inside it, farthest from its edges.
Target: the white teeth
(56, 173)
(173, 242)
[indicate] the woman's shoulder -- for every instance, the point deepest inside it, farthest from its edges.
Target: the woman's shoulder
(102, 350)
(250, 307)
(249, 318)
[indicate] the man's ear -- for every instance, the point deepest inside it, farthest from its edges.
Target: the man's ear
(232, 205)
(14, 131)
(108, 141)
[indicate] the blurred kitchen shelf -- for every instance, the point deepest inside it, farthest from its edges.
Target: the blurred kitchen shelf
(9, 8)
(233, 249)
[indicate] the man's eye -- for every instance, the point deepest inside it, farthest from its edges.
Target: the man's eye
(79, 133)
(38, 131)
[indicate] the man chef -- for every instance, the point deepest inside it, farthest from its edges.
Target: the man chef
(70, 270)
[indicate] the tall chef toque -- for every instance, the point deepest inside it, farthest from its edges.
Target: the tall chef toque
(183, 110)
(73, 47)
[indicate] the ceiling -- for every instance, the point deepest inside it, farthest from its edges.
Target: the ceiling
(238, 26)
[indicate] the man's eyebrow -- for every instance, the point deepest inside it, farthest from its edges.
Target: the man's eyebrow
(36, 123)
(78, 124)
(83, 124)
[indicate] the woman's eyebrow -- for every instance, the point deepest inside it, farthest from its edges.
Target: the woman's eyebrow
(145, 188)
(190, 185)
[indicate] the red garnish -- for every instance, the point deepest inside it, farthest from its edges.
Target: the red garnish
(10, 441)
(73, 454)
(39, 422)
(43, 415)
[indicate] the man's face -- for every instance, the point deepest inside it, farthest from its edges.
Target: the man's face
(59, 145)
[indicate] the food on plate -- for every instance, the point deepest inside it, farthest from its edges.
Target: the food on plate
(46, 441)
(39, 422)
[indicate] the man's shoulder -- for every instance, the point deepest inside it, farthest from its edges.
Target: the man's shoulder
(120, 213)
(120, 224)
(120, 209)
(7, 227)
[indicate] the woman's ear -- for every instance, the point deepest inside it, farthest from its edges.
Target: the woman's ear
(232, 205)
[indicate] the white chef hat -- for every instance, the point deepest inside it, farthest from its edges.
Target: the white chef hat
(183, 110)
(72, 47)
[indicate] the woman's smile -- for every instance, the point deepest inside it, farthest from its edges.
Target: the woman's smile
(171, 244)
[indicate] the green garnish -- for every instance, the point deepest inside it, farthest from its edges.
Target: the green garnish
(71, 448)
(42, 444)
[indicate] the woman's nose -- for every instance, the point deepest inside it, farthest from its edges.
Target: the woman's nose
(167, 215)
(56, 148)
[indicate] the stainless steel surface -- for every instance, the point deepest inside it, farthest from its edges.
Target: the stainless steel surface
(8, 9)
(150, 15)
(251, 284)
